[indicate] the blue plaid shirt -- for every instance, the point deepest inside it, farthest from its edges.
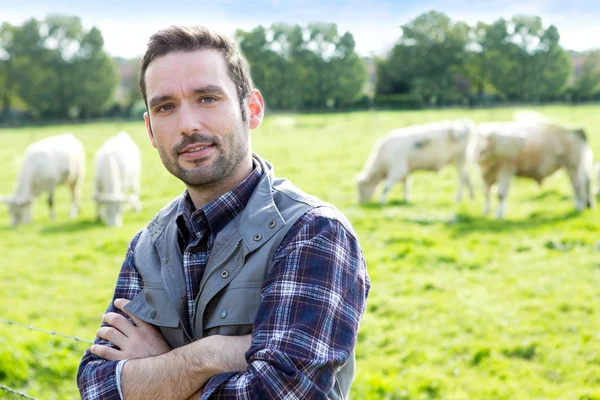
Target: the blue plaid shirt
(307, 324)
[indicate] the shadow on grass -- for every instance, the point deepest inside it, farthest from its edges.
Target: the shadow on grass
(551, 194)
(375, 205)
(69, 227)
(462, 223)
(465, 223)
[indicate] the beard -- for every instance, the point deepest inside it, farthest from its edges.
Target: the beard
(229, 151)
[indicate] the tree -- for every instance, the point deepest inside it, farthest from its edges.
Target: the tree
(426, 59)
(61, 71)
(525, 60)
(587, 84)
(7, 69)
(312, 67)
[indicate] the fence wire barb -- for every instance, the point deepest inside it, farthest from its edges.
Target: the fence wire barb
(54, 333)
(23, 395)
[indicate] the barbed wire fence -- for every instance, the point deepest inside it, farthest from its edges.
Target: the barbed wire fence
(45, 331)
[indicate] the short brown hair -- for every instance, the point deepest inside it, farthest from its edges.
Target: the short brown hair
(181, 38)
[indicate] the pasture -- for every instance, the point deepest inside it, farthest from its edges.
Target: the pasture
(461, 306)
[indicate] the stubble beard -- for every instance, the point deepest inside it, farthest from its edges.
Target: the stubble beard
(205, 174)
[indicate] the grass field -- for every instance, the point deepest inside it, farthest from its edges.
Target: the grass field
(461, 306)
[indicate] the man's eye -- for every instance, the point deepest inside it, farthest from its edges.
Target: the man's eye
(208, 100)
(166, 107)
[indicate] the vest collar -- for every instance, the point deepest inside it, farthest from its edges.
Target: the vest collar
(258, 222)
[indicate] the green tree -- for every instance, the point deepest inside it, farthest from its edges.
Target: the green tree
(61, 71)
(297, 68)
(525, 59)
(587, 84)
(7, 69)
(426, 59)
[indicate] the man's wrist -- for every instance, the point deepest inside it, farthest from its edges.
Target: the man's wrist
(118, 372)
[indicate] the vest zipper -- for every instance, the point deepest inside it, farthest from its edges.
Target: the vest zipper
(176, 312)
(205, 279)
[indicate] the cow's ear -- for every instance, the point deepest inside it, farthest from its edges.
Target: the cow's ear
(6, 199)
(581, 133)
(22, 201)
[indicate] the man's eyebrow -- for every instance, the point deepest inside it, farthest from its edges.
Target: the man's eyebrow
(210, 89)
(154, 101)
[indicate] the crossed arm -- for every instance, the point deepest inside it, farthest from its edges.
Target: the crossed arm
(305, 329)
(153, 370)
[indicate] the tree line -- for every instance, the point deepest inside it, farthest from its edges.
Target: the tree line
(56, 69)
(438, 61)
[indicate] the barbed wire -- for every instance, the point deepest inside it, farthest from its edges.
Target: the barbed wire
(33, 328)
(23, 395)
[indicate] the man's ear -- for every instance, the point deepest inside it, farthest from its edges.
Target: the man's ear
(256, 106)
(149, 129)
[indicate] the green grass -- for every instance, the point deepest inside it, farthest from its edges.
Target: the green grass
(461, 306)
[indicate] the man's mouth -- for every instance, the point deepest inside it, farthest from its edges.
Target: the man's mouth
(196, 151)
(197, 148)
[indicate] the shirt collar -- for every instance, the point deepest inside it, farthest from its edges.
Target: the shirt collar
(219, 212)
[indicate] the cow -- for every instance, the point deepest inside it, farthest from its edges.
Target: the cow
(531, 146)
(117, 178)
(427, 147)
(48, 163)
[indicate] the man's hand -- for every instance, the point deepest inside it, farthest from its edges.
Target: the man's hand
(136, 340)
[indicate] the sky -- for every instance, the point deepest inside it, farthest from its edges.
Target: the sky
(126, 25)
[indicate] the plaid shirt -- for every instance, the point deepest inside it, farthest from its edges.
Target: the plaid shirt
(307, 324)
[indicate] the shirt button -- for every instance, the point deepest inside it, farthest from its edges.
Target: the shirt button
(272, 224)
(257, 237)
(224, 274)
(152, 314)
(223, 314)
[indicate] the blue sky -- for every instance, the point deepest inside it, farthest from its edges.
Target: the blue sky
(126, 25)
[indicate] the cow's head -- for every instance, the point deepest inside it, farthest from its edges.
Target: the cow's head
(113, 208)
(366, 187)
(19, 209)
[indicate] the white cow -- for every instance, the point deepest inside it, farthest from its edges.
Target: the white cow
(596, 175)
(117, 179)
(50, 162)
(427, 147)
(533, 147)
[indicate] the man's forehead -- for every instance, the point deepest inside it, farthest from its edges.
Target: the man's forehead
(197, 67)
(203, 58)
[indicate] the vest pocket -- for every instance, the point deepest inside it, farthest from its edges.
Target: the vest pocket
(232, 312)
(152, 305)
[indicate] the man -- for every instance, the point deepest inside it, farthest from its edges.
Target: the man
(243, 286)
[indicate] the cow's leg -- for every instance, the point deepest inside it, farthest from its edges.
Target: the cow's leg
(392, 177)
(75, 197)
(407, 181)
(463, 180)
(99, 208)
(488, 179)
(487, 191)
(51, 204)
(503, 186)
(580, 189)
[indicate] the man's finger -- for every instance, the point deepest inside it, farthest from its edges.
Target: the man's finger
(112, 335)
(108, 353)
(119, 322)
(120, 304)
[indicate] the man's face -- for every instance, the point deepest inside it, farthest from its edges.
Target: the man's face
(194, 117)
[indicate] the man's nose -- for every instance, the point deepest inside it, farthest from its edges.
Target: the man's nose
(189, 120)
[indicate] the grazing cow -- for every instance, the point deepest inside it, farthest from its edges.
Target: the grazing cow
(532, 147)
(596, 175)
(50, 162)
(427, 147)
(117, 179)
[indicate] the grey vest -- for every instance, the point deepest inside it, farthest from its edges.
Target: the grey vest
(230, 290)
